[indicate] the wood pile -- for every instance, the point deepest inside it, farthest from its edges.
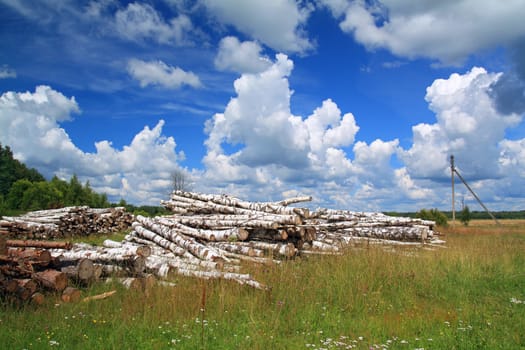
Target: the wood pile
(28, 270)
(31, 263)
(208, 236)
(31, 269)
(65, 222)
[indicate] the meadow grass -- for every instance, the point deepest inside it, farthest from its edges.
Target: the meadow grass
(469, 295)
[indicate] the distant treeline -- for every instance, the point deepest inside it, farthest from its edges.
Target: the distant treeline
(23, 189)
(475, 215)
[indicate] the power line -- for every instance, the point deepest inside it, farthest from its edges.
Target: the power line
(453, 171)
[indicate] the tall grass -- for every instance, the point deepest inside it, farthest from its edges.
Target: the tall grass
(469, 295)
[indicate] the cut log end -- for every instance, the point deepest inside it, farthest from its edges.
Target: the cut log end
(71, 295)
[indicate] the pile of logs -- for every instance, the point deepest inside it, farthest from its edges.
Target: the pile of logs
(30, 268)
(208, 236)
(65, 222)
(27, 270)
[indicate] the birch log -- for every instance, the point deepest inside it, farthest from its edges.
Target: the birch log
(182, 241)
(236, 233)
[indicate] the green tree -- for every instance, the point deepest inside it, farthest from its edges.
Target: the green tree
(465, 216)
(434, 215)
(12, 170)
(41, 195)
(16, 193)
(74, 194)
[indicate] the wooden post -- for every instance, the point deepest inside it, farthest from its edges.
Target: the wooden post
(452, 170)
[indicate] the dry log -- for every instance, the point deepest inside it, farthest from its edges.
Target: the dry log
(38, 298)
(159, 240)
(232, 202)
(255, 219)
(38, 244)
(132, 263)
(237, 248)
(128, 249)
(28, 284)
(160, 268)
(8, 285)
(71, 295)
(187, 205)
(182, 241)
(39, 257)
(235, 233)
(3, 244)
(23, 294)
(293, 200)
(325, 247)
(277, 249)
(51, 279)
(83, 271)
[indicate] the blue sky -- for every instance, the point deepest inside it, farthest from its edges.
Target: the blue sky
(357, 103)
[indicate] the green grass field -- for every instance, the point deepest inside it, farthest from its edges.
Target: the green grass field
(469, 295)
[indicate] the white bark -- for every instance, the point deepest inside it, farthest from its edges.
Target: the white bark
(235, 233)
(232, 205)
(285, 250)
(159, 240)
(182, 241)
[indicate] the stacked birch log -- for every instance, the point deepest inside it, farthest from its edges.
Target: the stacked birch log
(27, 271)
(30, 269)
(208, 236)
(65, 222)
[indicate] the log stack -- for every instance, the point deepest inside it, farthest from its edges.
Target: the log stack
(30, 266)
(209, 235)
(65, 222)
(31, 269)
(27, 270)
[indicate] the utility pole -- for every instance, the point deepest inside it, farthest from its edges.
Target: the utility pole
(452, 170)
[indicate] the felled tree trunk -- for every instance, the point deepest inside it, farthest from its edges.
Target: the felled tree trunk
(133, 263)
(51, 279)
(187, 243)
(38, 244)
(83, 271)
(71, 295)
(235, 233)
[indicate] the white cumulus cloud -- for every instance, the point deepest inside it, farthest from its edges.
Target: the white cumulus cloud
(448, 31)
(257, 143)
(140, 21)
(278, 24)
(139, 172)
(468, 126)
(242, 57)
(159, 73)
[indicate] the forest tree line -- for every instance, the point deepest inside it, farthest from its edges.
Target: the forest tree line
(24, 189)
